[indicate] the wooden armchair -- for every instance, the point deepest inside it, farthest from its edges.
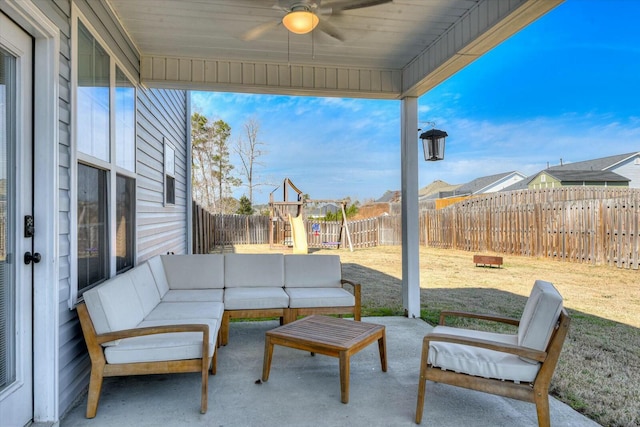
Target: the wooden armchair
(476, 360)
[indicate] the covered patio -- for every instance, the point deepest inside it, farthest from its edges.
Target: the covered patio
(161, 49)
(372, 49)
(305, 391)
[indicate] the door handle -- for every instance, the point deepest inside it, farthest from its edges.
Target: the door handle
(35, 257)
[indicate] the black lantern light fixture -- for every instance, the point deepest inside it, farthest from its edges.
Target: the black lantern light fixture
(433, 143)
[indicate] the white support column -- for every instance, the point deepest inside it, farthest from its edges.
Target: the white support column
(410, 225)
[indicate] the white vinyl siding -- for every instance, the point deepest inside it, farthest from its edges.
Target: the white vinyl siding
(160, 113)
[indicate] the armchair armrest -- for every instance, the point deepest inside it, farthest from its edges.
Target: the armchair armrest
(528, 353)
(490, 317)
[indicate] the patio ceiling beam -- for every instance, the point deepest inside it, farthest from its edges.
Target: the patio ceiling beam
(481, 29)
(269, 78)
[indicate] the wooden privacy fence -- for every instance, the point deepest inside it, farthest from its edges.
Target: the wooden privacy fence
(591, 231)
(582, 224)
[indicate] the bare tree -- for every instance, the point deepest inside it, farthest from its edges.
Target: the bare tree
(249, 150)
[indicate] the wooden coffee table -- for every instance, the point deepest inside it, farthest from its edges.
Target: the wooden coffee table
(330, 336)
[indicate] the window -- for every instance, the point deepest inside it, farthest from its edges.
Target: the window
(93, 249)
(125, 122)
(92, 96)
(169, 174)
(105, 141)
(125, 202)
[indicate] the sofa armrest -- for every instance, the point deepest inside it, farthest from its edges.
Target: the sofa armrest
(153, 330)
(357, 295)
(490, 317)
(355, 287)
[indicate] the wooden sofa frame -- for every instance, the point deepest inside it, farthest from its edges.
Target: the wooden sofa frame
(100, 368)
(535, 392)
(288, 315)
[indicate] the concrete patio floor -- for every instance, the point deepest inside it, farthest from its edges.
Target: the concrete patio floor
(305, 391)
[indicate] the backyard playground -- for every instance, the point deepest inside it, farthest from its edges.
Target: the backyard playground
(599, 369)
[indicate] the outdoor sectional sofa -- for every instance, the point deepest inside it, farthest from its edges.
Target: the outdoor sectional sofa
(169, 313)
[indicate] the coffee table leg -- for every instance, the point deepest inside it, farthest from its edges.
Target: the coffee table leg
(344, 376)
(382, 347)
(268, 353)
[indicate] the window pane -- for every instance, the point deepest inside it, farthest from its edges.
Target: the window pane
(8, 195)
(125, 222)
(93, 96)
(93, 248)
(170, 191)
(125, 122)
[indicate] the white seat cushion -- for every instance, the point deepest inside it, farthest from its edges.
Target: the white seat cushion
(312, 271)
(477, 361)
(255, 298)
(186, 295)
(157, 269)
(201, 271)
(319, 297)
(160, 347)
(145, 285)
(186, 310)
(253, 270)
(114, 305)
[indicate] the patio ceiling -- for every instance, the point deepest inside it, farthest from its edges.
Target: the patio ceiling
(389, 51)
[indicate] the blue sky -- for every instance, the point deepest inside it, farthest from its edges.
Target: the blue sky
(566, 87)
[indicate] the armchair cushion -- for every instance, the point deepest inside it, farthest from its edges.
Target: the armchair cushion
(539, 316)
(478, 361)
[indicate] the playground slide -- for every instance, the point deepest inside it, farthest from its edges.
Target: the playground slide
(298, 234)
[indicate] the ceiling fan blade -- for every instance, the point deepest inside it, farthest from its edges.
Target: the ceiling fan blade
(256, 32)
(353, 4)
(330, 30)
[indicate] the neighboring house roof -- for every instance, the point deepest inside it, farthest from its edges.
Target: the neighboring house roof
(595, 164)
(437, 187)
(478, 184)
(320, 211)
(520, 185)
(389, 196)
(585, 175)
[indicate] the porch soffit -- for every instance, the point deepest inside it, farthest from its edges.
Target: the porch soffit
(398, 49)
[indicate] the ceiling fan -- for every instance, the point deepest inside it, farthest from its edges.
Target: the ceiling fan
(303, 16)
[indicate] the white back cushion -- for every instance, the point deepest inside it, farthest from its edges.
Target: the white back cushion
(539, 316)
(157, 269)
(253, 270)
(114, 305)
(312, 271)
(198, 271)
(145, 285)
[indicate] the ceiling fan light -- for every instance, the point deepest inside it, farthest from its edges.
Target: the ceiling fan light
(300, 21)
